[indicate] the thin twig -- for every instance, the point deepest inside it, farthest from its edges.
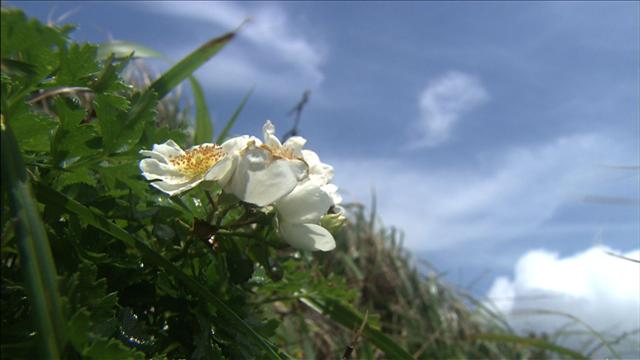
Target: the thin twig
(297, 110)
(622, 257)
(58, 90)
(352, 345)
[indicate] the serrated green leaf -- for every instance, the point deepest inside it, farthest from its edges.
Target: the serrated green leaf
(77, 65)
(111, 349)
(33, 130)
(78, 328)
(80, 175)
(33, 41)
(73, 139)
(110, 111)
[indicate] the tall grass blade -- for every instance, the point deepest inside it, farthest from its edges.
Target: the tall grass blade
(540, 343)
(122, 49)
(35, 251)
(227, 128)
(185, 67)
(348, 318)
(204, 125)
(97, 220)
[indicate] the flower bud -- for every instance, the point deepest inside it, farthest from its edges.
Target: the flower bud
(333, 222)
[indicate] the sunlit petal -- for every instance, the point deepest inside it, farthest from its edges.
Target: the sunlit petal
(308, 237)
(305, 204)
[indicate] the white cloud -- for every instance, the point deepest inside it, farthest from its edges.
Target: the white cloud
(270, 52)
(443, 103)
(506, 197)
(599, 289)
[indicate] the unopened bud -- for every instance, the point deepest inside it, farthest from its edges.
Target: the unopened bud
(333, 222)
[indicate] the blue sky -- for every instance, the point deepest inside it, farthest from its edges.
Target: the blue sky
(482, 126)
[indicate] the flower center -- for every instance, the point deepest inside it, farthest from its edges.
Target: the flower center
(198, 160)
(280, 153)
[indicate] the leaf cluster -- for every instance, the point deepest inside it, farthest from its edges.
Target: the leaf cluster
(95, 262)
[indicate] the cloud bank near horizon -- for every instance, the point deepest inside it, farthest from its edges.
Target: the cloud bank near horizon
(599, 289)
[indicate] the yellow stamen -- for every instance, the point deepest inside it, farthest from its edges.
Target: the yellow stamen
(198, 160)
(281, 153)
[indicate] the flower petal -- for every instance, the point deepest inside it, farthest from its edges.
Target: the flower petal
(309, 237)
(259, 180)
(269, 133)
(237, 143)
(221, 171)
(319, 171)
(305, 204)
(332, 191)
(155, 155)
(168, 149)
(174, 189)
(153, 169)
(295, 144)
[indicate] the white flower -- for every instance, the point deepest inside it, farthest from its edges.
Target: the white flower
(180, 170)
(266, 172)
(321, 174)
(299, 215)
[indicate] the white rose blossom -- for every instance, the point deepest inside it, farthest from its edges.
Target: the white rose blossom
(266, 172)
(294, 180)
(300, 212)
(180, 170)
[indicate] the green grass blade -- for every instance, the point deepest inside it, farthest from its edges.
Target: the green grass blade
(185, 67)
(350, 319)
(121, 49)
(227, 128)
(94, 218)
(35, 252)
(204, 125)
(540, 343)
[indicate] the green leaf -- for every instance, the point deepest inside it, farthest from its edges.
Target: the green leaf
(79, 327)
(350, 319)
(110, 111)
(185, 68)
(92, 217)
(35, 251)
(73, 139)
(29, 41)
(107, 349)
(227, 128)
(540, 343)
(204, 125)
(80, 175)
(77, 65)
(33, 130)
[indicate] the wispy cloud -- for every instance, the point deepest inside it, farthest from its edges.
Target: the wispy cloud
(595, 287)
(443, 102)
(508, 196)
(271, 52)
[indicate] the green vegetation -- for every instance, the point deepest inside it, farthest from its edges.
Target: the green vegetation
(98, 264)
